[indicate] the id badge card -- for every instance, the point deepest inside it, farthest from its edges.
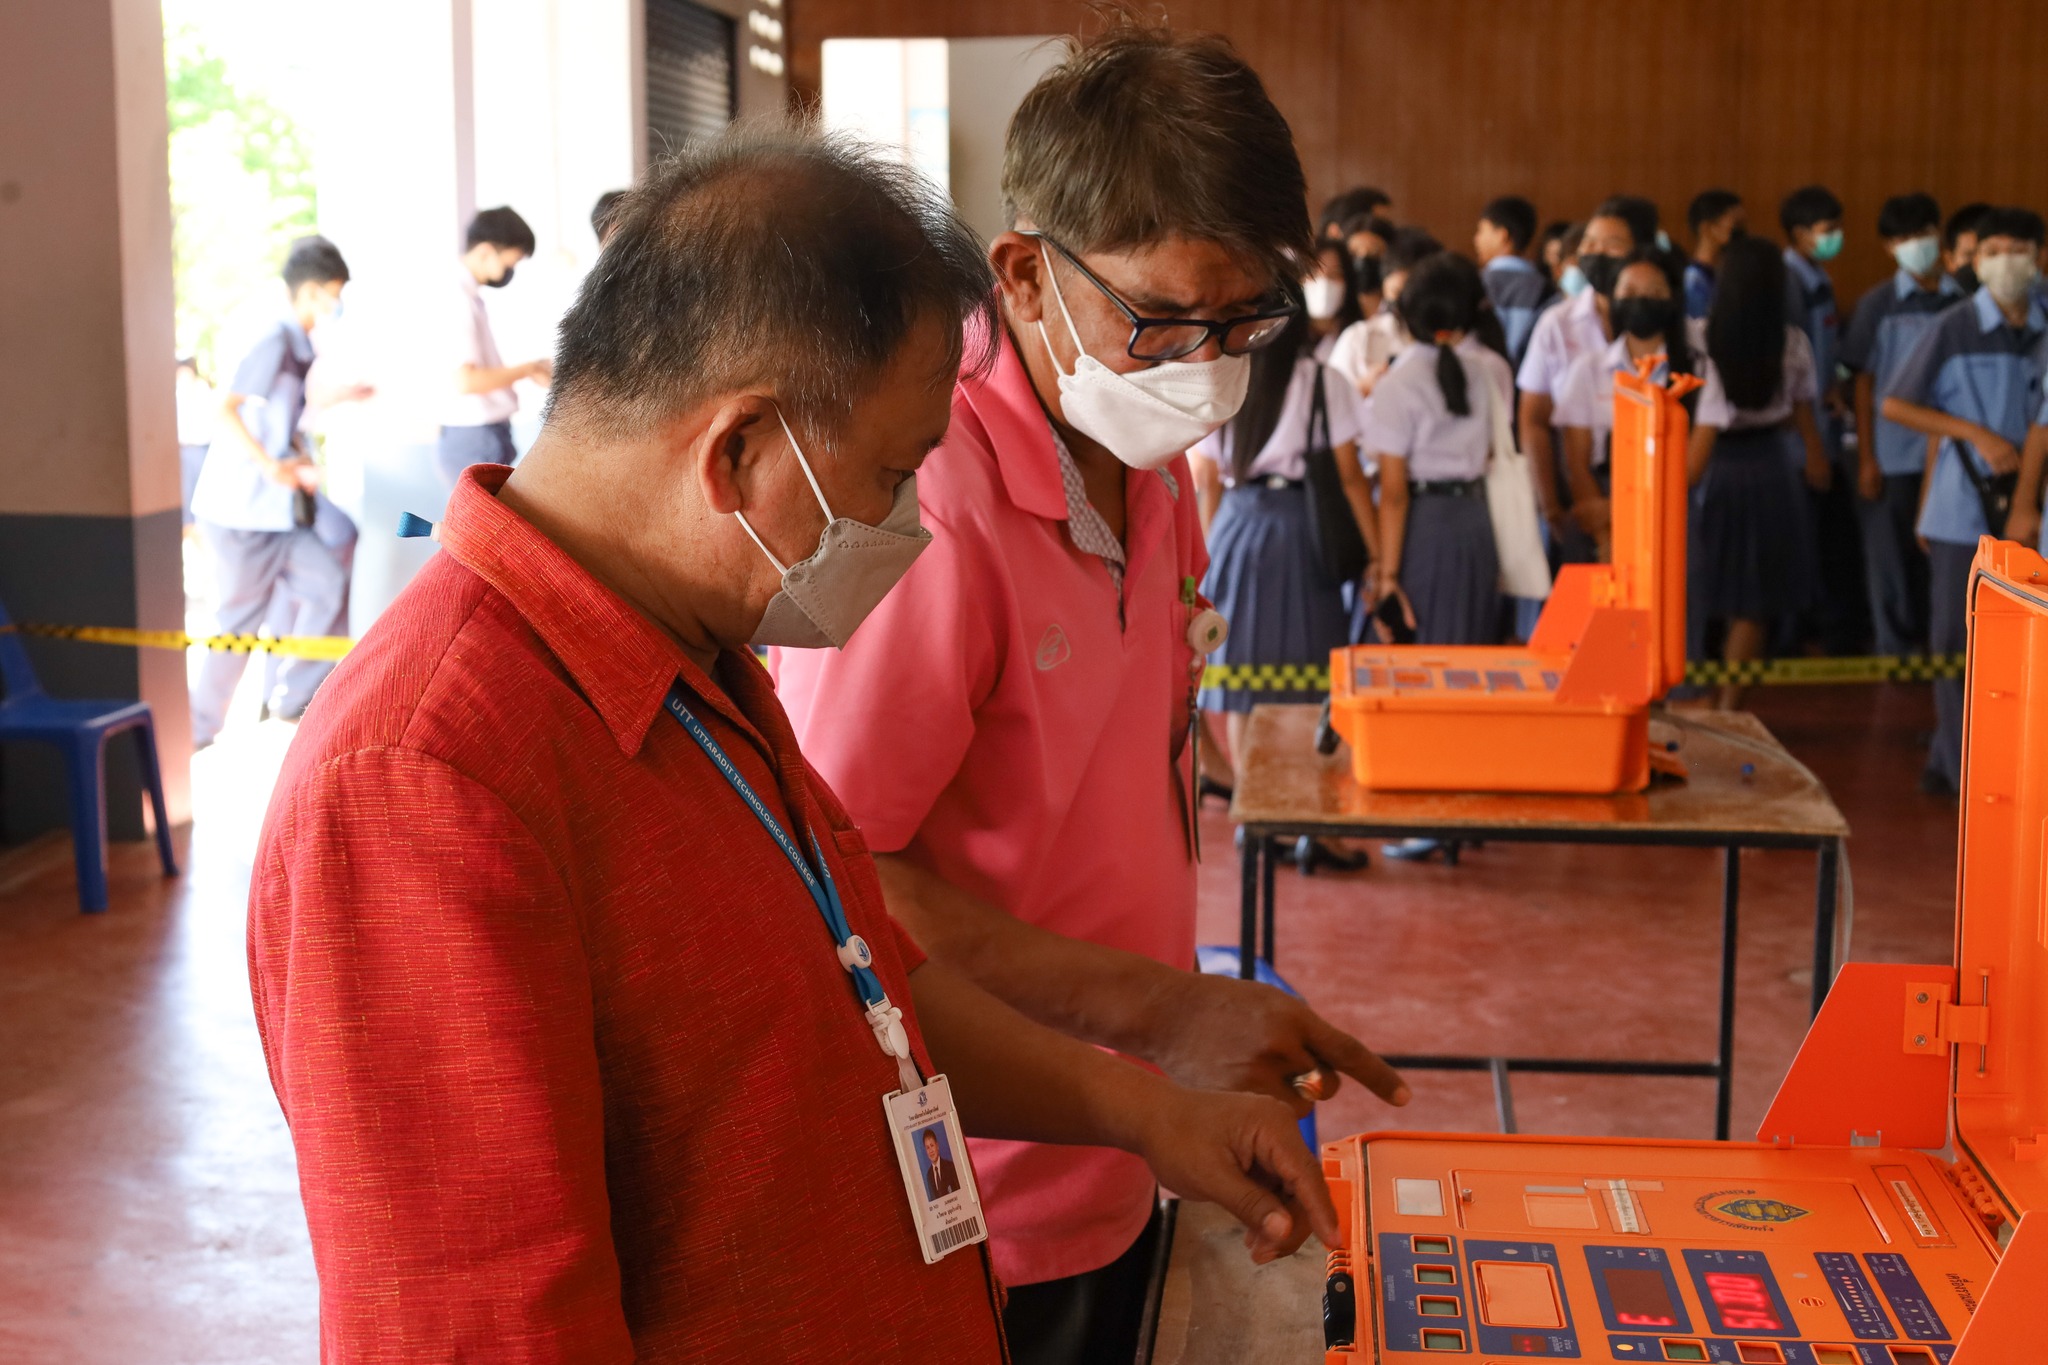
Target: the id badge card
(937, 1176)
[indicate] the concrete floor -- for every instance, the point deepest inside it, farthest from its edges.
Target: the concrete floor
(148, 1201)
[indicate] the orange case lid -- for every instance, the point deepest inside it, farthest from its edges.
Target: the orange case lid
(1648, 506)
(2001, 1087)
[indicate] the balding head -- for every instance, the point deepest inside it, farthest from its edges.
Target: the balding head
(764, 257)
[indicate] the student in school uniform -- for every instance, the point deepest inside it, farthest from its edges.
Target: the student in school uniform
(1649, 324)
(1430, 432)
(1328, 297)
(476, 421)
(1364, 350)
(1974, 379)
(1557, 248)
(1959, 246)
(1563, 334)
(1519, 291)
(1749, 560)
(1811, 217)
(259, 506)
(1891, 460)
(1265, 574)
(1716, 218)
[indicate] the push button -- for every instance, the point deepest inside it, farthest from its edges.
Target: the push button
(1517, 1295)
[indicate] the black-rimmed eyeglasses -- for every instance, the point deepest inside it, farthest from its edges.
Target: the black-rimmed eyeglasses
(1172, 338)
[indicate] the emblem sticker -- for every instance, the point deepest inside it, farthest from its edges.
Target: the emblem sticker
(1747, 1210)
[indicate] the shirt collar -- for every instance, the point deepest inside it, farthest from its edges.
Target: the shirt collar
(1509, 263)
(617, 658)
(1904, 286)
(296, 337)
(1805, 269)
(1990, 316)
(1019, 432)
(469, 284)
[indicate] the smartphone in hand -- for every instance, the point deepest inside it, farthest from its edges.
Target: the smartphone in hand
(1394, 620)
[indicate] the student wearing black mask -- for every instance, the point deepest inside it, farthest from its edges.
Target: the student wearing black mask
(1751, 557)
(1577, 327)
(1649, 322)
(1959, 246)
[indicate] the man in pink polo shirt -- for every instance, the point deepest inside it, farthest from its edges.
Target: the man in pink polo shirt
(1009, 728)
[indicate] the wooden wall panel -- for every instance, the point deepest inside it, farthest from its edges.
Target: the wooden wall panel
(1445, 103)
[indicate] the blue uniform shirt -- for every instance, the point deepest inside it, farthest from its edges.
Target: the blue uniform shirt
(1973, 364)
(1699, 289)
(1888, 321)
(1810, 305)
(1519, 292)
(232, 491)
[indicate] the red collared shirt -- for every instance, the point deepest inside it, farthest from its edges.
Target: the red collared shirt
(571, 1067)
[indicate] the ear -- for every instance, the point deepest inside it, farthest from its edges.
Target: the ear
(730, 450)
(1019, 263)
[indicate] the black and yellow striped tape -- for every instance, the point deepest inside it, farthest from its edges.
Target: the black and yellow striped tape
(327, 647)
(1237, 677)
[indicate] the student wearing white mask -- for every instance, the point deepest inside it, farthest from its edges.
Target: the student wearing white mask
(1329, 296)
(1010, 729)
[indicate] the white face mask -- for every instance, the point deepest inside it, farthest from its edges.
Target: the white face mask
(1323, 295)
(1147, 417)
(2008, 275)
(824, 599)
(1919, 255)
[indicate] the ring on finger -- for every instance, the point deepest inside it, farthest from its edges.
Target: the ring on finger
(1312, 1085)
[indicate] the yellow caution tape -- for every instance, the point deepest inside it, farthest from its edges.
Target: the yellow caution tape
(327, 647)
(1761, 672)
(1236, 677)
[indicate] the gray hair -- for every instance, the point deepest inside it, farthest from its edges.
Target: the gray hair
(771, 256)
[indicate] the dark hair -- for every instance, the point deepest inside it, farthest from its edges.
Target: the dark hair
(1807, 205)
(313, 260)
(1556, 231)
(1348, 310)
(502, 228)
(1408, 248)
(1368, 275)
(1573, 236)
(1709, 205)
(1340, 209)
(1368, 222)
(604, 210)
(1639, 213)
(770, 256)
(1908, 215)
(1443, 294)
(1515, 216)
(1142, 133)
(1961, 221)
(1678, 354)
(1746, 325)
(2010, 221)
(1272, 372)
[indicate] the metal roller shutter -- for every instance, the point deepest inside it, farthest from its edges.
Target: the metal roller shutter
(689, 74)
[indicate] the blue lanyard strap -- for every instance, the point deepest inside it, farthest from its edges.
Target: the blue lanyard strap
(818, 882)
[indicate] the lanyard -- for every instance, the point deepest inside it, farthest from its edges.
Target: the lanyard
(884, 1018)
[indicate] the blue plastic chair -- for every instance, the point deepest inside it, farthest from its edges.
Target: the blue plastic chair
(81, 730)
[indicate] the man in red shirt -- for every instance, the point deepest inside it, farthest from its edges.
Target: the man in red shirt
(571, 973)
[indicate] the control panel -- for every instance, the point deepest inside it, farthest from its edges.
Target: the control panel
(1503, 1250)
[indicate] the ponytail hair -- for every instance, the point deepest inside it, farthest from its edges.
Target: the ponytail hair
(1443, 297)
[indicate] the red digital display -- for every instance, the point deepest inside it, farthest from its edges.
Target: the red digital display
(1641, 1298)
(1743, 1301)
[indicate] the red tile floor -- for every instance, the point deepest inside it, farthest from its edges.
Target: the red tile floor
(148, 1205)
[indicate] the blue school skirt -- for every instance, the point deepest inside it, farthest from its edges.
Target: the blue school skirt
(1451, 571)
(1266, 579)
(1749, 551)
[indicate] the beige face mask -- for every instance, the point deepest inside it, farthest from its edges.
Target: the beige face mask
(824, 598)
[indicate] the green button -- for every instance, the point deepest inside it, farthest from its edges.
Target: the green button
(1435, 1274)
(1684, 1350)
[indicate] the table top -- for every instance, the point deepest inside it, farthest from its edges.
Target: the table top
(1282, 781)
(1217, 1308)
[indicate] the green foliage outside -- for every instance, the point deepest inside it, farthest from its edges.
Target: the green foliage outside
(241, 190)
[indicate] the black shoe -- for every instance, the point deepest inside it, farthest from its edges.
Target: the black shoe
(1311, 853)
(1207, 786)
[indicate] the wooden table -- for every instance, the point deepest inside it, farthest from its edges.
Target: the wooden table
(1212, 1306)
(1743, 790)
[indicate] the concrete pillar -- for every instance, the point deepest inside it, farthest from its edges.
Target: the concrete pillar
(89, 521)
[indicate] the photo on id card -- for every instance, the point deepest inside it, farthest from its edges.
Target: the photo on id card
(936, 1173)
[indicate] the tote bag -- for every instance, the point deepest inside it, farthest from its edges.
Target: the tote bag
(1511, 505)
(1340, 546)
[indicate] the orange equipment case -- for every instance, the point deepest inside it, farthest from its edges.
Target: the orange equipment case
(1894, 1210)
(1569, 712)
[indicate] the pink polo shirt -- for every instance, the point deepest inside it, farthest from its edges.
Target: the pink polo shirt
(995, 721)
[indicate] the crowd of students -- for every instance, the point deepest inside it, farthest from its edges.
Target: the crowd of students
(1842, 464)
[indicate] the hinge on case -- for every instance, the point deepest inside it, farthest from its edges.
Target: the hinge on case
(1933, 1021)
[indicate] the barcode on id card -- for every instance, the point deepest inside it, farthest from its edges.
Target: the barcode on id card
(945, 1239)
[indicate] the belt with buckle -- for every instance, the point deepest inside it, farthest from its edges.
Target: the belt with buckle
(1447, 488)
